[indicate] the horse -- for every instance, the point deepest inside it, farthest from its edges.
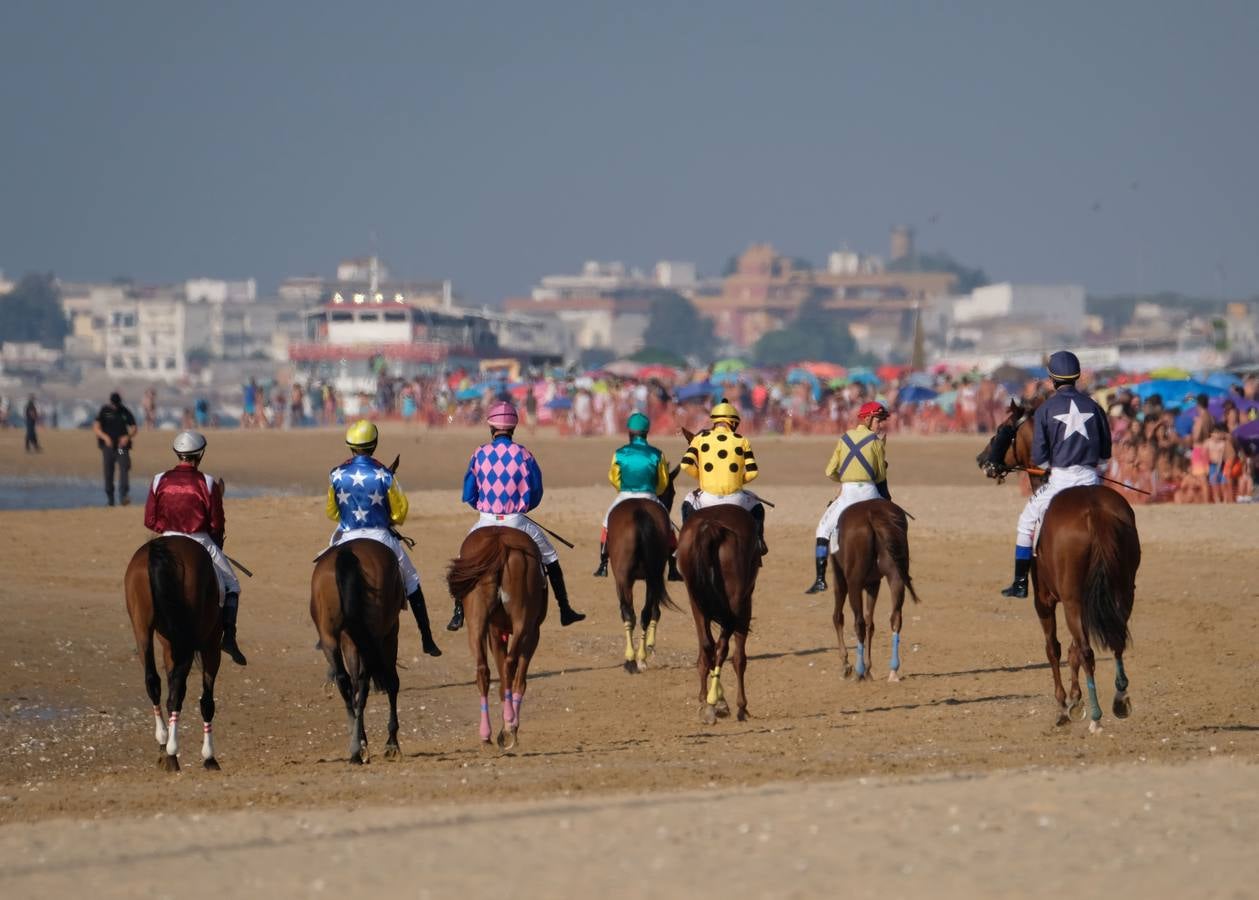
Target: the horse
(499, 577)
(719, 558)
(356, 594)
(639, 533)
(873, 545)
(172, 591)
(1087, 558)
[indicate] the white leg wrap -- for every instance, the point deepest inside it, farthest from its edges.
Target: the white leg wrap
(207, 745)
(159, 731)
(172, 742)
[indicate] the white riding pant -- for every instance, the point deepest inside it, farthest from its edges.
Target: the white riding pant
(850, 492)
(520, 522)
(629, 495)
(223, 571)
(1059, 480)
(410, 577)
(702, 499)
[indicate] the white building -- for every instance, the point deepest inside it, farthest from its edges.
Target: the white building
(848, 262)
(216, 290)
(1059, 308)
(600, 279)
(150, 334)
(680, 276)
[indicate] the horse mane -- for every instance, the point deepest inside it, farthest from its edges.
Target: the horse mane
(891, 529)
(166, 587)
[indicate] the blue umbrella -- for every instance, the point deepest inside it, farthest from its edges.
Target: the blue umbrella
(469, 393)
(1174, 391)
(804, 376)
(727, 377)
(922, 379)
(915, 394)
(694, 391)
(864, 376)
(560, 403)
(1225, 380)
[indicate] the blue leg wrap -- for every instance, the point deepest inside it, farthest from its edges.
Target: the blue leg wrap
(1097, 710)
(1121, 677)
(896, 651)
(861, 658)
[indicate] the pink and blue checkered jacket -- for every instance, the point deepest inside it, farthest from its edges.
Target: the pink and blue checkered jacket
(503, 478)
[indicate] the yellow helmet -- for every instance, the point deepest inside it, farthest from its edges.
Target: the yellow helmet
(724, 411)
(362, 435)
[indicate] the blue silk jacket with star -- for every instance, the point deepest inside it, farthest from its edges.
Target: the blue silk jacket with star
(363, 493)
(1070, 429)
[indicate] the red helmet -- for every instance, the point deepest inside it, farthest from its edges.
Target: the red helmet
(503, 415)
(873, 408)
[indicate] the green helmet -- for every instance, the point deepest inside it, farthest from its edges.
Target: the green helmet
(638, 424)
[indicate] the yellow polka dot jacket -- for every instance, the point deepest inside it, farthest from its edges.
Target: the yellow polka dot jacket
(720, 460)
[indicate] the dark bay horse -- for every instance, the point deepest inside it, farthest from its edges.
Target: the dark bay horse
(172, 592)
(356, 594)
(639, 543)
(719, 559)
(873, 545)
(498, 575)
(1087, 557)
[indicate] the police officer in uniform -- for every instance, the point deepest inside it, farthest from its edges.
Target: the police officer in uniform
(1070, 438)
(115, 427)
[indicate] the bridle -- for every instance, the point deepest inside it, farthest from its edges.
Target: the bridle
(995, 466)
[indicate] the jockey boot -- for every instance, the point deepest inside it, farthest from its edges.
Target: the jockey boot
(758, 513)
(674, 574)
(420, 610)
(602, 571)
(1019, 586)
(456, 620)
(819, 584)
(555, 575)
(231, 604)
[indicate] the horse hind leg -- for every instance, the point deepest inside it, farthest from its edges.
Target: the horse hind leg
(153, 686)
(177, 682)
(625, 597)
(739, 658)
(392, 750)
(840, 589)
(1053, 653)
(716, 696)
(1122, 707)
(894, 625)
(209, 671)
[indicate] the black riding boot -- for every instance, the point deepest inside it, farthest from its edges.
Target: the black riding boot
(1019, 586)
(819, 584)
(602, 571)
(555, 575)
(420, 610)
(231, 604)
(456, 620)
(758, 513)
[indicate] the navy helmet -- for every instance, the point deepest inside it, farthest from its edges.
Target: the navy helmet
(1064, 366)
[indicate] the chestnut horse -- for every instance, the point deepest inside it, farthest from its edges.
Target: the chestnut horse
(639, 543)
(356, 593)
(873, 545)
(172, 592)
(1087, 557)
(719, 558)
(498, 575)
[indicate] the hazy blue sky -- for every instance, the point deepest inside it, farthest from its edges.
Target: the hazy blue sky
(1109, 143)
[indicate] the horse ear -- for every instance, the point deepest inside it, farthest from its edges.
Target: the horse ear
(1015, 409)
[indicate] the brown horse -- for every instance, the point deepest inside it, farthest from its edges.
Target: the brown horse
(719, 559)
(1087, 559)
(639, 533)
(356, 593)
(499, 577)
(172, 592)
(873, 545)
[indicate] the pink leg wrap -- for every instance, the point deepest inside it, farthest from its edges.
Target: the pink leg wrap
(485, 718)
(509, 710)
(516, 700)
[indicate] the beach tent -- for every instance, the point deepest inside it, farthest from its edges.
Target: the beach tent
(1169, 373)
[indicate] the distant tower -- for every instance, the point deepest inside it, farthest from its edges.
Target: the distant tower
(902, 242)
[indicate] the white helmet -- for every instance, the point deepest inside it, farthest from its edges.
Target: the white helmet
(188, 443)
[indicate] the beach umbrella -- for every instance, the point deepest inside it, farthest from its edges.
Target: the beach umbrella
(837, 383)
(1248, 436)
(468, 393)
(946, 401)
(729, 365)
(1219, 379)
(889, 372)
(622, 368)
(823, 370)
(696, 390)
(915, 394)
(1169, 373)
(922, 379)
(727, 377)
(1249, 409)
(1008, 374)
(863, 376)
(560, 403)
(804, 376)
(660, 371)
(1175, 391)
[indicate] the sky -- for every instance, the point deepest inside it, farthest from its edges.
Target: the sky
(1110, 144)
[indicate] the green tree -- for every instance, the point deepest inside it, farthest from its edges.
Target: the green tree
(677, 327)
(32, 312)
(816, 334)
(967, 278)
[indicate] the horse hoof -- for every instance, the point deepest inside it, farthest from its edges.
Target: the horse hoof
(357, 759)
(212, 765)
(722, 708)
(641, 665)
(1076, 710)
(743, 715)
(708, 715)
(630, 667)
(847, 672)
(1095, 727)
(1063, 718)
(392, 751)
(168, 763)
(1122, 707)
(893, 676)
(506, 740)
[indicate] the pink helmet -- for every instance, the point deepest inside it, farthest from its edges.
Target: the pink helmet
(502, 415)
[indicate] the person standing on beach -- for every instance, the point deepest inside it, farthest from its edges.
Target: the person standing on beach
(115, 427)
(32, 419)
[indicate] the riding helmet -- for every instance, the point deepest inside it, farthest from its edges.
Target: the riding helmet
(503, 415)
(725, 411)
(188, 443)
(1064, 366)
(872, 408)
(638, 424)
(362, 435)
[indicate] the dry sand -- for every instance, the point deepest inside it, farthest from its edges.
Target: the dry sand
(970, 727)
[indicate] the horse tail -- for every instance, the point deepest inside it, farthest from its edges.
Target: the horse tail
(652, 548)
(166, 585)
(464, 572)
(705, 580)
(353, 591)
(1106, 605)
(891, 531)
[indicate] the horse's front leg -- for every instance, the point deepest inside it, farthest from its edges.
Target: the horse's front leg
(716, 696)
(872, 597)
(840, 593)
(1082, 654)
(478, 633)
(176, 688)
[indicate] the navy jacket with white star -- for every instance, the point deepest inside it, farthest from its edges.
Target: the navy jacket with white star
(1070, 429)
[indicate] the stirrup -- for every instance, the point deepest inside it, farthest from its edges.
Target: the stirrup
(1017, 589)
(456, 620)
(817, 587)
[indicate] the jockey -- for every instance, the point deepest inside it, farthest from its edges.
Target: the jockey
(503, 482)
(366, 502)
(639, 471)
(859, 464)
(1070, 438)
(721, 460)
(188, 502)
